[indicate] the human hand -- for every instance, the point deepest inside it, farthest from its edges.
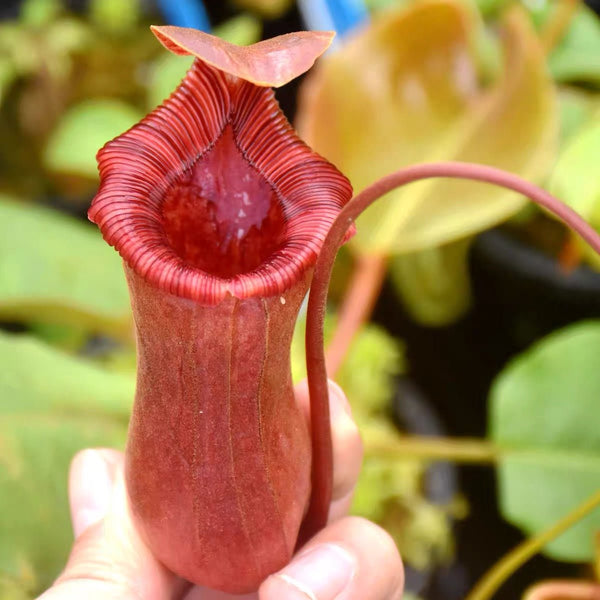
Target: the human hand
(350, 559)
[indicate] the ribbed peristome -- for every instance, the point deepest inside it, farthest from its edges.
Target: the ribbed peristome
(138, 169)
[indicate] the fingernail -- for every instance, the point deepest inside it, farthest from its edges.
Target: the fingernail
(321, 573)
(339, 405)
(91, 488)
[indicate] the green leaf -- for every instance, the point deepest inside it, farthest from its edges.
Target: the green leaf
(16, 46)
(39, 13)
(577, 57)
(52, 406)
(577, 107)
(66, 37)
(542, 416)
(82, 130)
(491, 7)
(65, 337)
(118, 16)
(376, 5)
(269, 9)
(166, 74)
(242, 30)
(55, 269)
(434, 284)
(8, 74)
(405, 90)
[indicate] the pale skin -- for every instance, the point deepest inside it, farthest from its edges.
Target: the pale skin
(350, 559)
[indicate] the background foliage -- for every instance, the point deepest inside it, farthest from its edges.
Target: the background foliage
(436, 79)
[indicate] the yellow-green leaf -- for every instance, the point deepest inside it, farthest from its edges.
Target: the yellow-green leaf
(405, 90)
(270, 9)
(115, 16)
(166, 74)
(242, 30)
(55, 269)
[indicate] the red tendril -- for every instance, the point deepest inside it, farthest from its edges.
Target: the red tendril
(322, 457)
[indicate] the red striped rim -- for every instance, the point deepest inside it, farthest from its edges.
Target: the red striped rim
(139, 167)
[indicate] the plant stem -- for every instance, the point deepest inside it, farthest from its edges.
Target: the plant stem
(359, 300)
(322, 453)
(558, 23)
(460, 450)
(506, 566)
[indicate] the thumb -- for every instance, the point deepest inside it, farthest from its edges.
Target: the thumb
(108, 558)
(92, 484)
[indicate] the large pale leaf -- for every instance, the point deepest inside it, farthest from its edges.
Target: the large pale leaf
(544, 409)
(404, 91)
(52, 405)
(56, 269)
(384, 98)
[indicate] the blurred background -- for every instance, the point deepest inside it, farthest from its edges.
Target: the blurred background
(464, 322)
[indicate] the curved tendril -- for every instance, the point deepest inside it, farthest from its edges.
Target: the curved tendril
(322, 470)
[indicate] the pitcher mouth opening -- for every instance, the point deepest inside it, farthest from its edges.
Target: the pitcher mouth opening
(223, 221)
(214, 194)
